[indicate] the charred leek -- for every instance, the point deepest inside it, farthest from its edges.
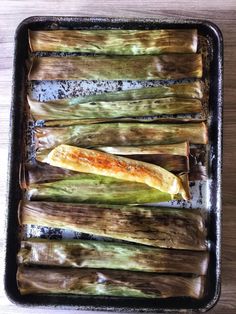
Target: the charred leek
(169, 66)
(161, 227)
(115, 134)
(96, 162)
(111, 255)
(120, 42)
(107, 282)
(116, 109)
(187, 90)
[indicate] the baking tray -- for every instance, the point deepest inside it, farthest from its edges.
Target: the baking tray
(212, 189)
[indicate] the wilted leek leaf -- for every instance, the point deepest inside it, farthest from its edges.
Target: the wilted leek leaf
(121, 134)
(120, 42)
(107, 282)
(161, 227)
(106, 109)
(169, 66)
(111, 255)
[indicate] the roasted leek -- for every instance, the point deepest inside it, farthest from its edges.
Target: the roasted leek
(119, 42)
(107, 282)
(116, 109)
(111, 255)
(160, 227)
(169, 66)
(115, 134)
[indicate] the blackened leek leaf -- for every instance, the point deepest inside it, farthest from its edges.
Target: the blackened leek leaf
(97, 162)
(160, 227)
(107, 282)
(169, 66)
(111, 255)
(116, 109)
(48, 183)
(119, 42)
(115, 134)
(186, 90)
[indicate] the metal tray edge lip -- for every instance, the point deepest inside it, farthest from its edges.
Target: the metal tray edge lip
(10, 160)
(167, 21)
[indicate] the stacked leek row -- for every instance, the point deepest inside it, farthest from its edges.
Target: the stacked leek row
(99, 156)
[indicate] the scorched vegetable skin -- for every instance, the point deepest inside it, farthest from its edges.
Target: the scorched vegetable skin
(159, 227)
(120, 42)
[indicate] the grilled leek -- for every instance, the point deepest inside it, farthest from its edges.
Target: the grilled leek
(96, 162)
(119, 42)
(111, 255)
(185, 90)
(116, 109)
(169, 66)
(160, 227)
(107, 282)
(115, 134)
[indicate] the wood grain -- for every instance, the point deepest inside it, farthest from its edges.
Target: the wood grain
(13, 12)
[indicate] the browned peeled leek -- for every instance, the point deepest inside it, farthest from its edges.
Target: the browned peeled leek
(169, 66)
(121, 134)
(101, 163)
(107, 282)
(160, 227)
(120, 42)
(111, 255)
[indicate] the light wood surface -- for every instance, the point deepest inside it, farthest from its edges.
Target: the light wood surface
(13, 12)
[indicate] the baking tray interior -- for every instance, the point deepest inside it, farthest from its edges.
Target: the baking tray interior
(207, 196)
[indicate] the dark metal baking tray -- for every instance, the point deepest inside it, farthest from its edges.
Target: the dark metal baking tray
(19, 91)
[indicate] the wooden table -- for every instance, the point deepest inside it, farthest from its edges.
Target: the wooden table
(12, 12)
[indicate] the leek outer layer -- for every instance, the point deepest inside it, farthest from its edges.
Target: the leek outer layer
(118, 42)
(107, 282)
(169, 66)
(121, 134)
(184, 90)
(111, 255)
(159, 227)
(114, 109)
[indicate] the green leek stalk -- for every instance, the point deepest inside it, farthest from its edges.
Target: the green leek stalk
(115, 109)
(169, 66)
(107, 283)
(159, 227)
(115, 134)
(111, 255)
(118, 42)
